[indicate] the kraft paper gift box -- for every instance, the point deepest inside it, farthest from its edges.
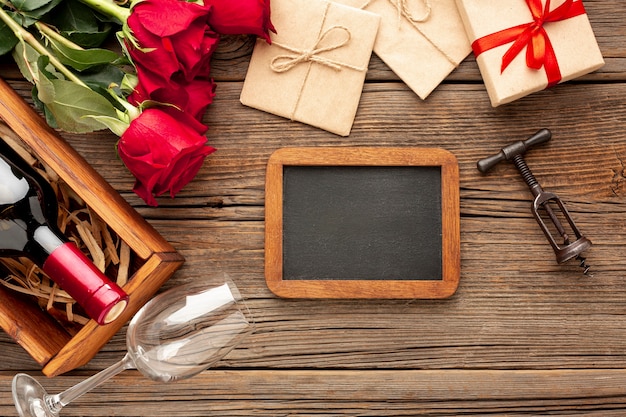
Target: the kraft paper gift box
(421, 41)
(500, 32)
(315, 67)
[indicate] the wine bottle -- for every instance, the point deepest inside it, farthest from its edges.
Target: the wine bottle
(28, 227)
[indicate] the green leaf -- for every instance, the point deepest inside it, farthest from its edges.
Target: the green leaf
(88, 39)
(107, 78)
(75, 108)
(28, 5)
(129, 83)
(114, 124)
(48, 70)
(73, 15)
(27, 60)
(82, 59)
(42, 108)
(103, 78)
(80, 24)
(7, 39)
(20, 18)
(33, 10)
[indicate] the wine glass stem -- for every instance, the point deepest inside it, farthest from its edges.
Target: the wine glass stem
(58, 401)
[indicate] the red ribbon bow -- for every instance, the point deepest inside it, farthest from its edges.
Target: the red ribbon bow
(539, 51)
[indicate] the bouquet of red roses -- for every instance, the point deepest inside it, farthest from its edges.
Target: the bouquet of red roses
(156, 107)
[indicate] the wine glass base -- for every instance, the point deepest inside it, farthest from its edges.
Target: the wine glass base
(30, 397)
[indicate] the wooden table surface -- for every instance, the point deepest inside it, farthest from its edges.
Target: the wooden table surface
(522, 335)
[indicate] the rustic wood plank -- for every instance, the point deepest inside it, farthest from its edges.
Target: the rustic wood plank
(331, 393)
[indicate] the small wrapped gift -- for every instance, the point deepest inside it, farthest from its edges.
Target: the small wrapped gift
(421, 41)
(314, 69)
(524, 46)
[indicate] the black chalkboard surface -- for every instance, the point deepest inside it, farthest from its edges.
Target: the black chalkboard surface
(362, 223)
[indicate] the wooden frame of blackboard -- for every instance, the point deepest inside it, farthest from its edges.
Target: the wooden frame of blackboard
(438, 287)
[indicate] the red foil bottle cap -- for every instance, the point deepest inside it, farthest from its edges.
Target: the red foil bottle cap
(102, 299)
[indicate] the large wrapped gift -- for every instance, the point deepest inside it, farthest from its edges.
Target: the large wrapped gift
(315, 67)
(421, 41)
(524, 46)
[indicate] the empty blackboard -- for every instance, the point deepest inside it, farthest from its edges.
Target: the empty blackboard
(362, 223)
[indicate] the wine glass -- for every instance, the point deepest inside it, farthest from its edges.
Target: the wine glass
(176, 335)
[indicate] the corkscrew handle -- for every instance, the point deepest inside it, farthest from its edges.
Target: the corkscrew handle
(513, 149)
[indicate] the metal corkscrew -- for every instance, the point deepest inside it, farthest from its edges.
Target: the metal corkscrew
(544, 201)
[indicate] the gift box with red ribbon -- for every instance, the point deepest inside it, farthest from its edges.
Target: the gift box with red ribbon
(525, 46)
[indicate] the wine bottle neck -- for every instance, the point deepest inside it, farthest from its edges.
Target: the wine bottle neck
(47, 239)
(44, 240)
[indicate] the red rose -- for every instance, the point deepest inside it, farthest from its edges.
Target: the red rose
(238, 17)
(163, 151)
(172, 42)
(192, 98)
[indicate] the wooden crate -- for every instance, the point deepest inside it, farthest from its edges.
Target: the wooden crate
(50, 345)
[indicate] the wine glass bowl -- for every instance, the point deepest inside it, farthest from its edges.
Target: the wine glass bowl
(176, 335)
(195, 330)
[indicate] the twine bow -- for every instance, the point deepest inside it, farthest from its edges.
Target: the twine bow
(283, 63)
(533, 36)
(402, 9)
